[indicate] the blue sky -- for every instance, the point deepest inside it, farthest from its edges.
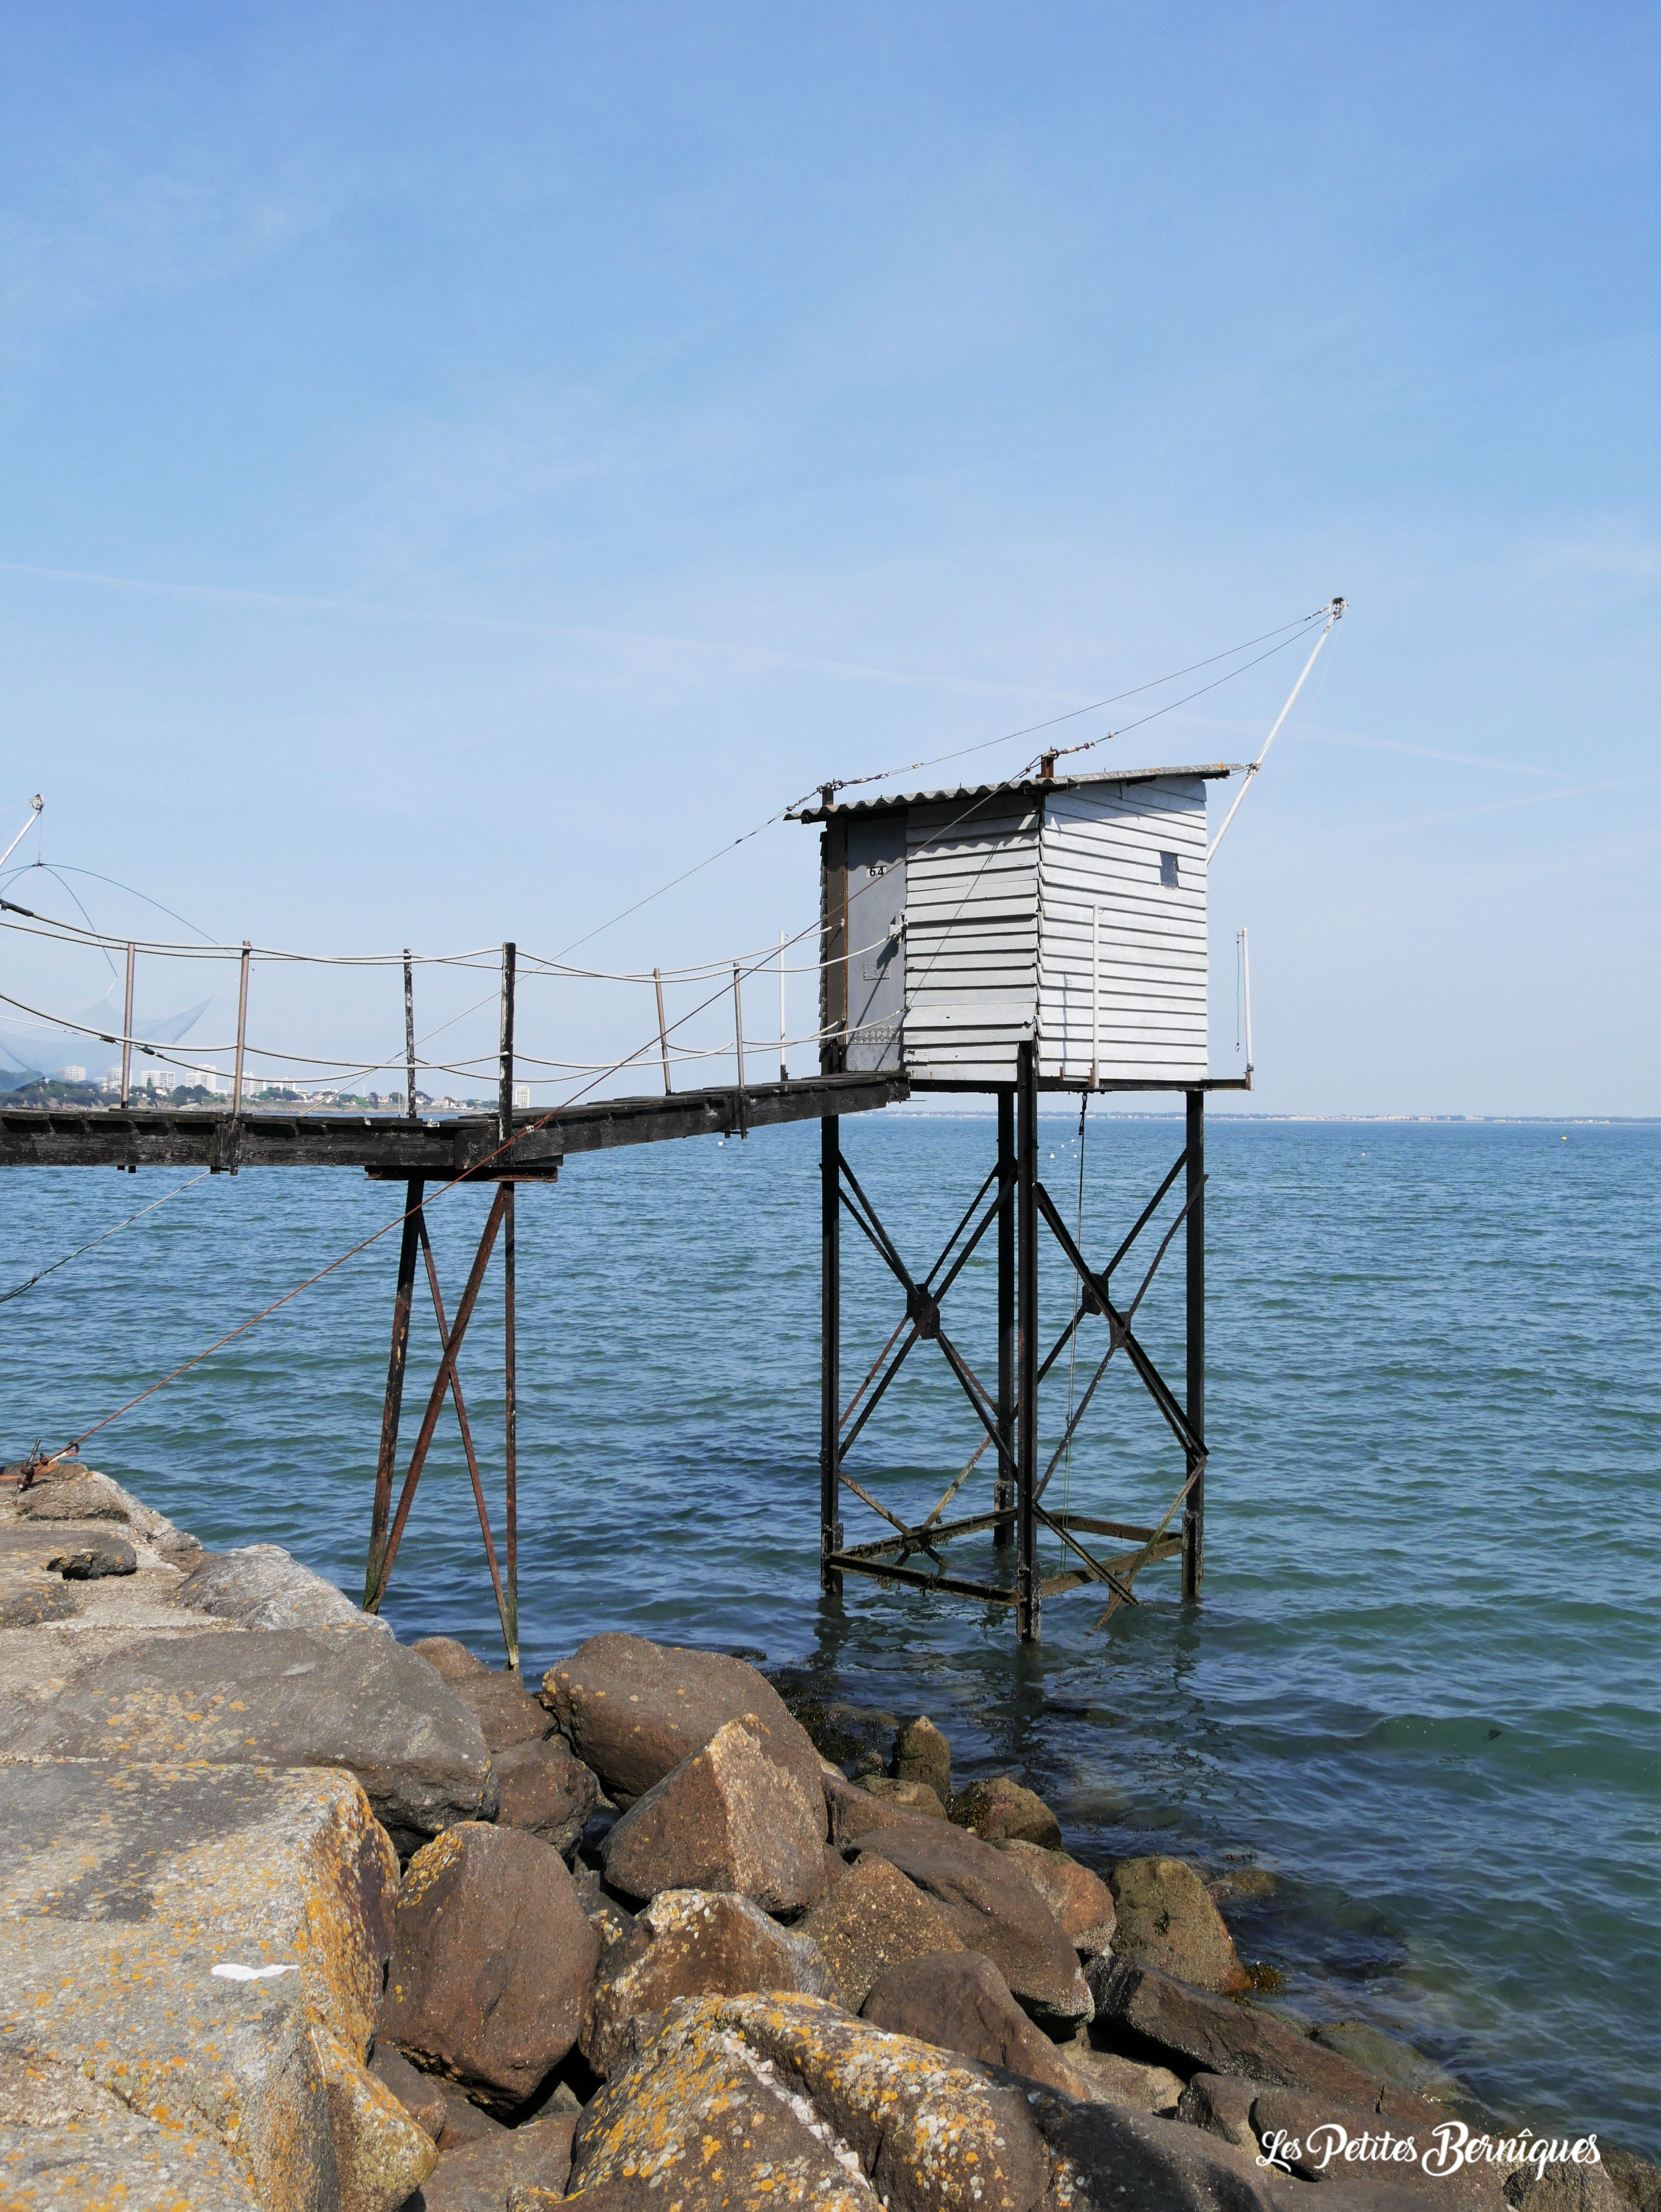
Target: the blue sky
(463, 466)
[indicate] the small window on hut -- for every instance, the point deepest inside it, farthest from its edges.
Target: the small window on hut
(1168, 871)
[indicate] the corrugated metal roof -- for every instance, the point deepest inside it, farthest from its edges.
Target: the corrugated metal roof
(896, 802)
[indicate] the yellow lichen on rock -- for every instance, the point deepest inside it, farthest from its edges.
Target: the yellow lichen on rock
(122, 1889)
(696, 2121)
(380, 2153)
(875, 2114)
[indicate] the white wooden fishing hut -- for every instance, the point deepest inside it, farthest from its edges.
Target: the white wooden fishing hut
(1045, 934)
(1068, 910)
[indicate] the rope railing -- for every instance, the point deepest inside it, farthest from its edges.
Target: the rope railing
(266, 1068)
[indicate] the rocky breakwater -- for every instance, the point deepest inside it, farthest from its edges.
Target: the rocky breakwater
(298, 1917)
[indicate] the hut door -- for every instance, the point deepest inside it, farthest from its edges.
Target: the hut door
(875, 943)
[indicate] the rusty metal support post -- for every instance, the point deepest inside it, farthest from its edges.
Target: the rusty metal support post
(394, 1403)
(1003, 1492)
(830, 1351)
(441, 1385)
(1194, 1509)
(1028, 1599)
(505, 1136)
(510, 1608)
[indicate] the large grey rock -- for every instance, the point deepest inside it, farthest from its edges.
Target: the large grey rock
(263, 1586)
(496, 1697)
(609, 1920)
(1124, 2081)
(922, 1754)
(1137, 2163)
(464, 2121)
(730, 1818)
(1166, 1920)
(33, 1590)
(688, 1942)
(914, 1797)
(633, 1711)
(1080, 1900)
(695, 2123)
(545, 1789)
(105, 1555)
(959, 2001)
(1566, 2187)
(379, 2150)
(124, 1887)
(479, 2177)
(27, 1604)
(450, 1657)
(854, 1811)
(871, 1920)
(56, 1494)
(1222, 2105)
(1390, 2058)
(492, 1962)
(1003, 1810)
(65, 2141)
(744, 2101)
(1638, 2181)
(841, 1733)
(421, 2095)
(82, 1497)
(293, 1697)
(1149, 2013)
(993, 1908)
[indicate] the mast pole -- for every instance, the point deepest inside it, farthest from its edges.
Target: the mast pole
(1335, 613)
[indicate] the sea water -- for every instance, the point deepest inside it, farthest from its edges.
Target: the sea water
(1419, 1691)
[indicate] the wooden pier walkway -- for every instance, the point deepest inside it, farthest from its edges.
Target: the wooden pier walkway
(435, 1149)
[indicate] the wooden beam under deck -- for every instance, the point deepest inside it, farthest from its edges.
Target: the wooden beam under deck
(394, 1147)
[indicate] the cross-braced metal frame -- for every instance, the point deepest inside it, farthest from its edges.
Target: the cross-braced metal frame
(386, 1527)
(1013, 1201)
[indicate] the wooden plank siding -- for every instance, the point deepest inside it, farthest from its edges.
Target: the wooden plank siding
(971, 938)
(1100, 849)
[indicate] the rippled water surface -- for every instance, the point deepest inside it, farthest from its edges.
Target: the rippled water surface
(1420, 1689)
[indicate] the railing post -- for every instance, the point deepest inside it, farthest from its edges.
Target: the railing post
(1193, 1510)
(784, 1032)
(409, 1034)
(1027, 1399)
(241, 1031)
(126, 1031)
(505, 1091)
(663, 1033)
(737, 1032)
(830, 1537)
